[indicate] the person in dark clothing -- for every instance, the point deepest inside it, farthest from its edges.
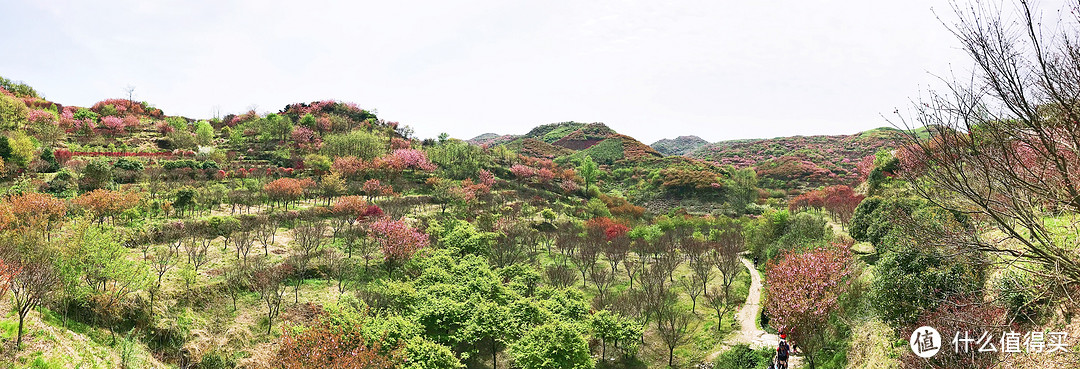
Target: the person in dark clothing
(782, 352)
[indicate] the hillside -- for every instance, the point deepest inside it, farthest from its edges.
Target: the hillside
(555, 140)
(322, 236)
(679, 146)
(802, 161)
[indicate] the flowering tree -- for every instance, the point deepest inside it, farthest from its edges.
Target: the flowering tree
(804, 291)
(332, 345)
(373, 188)
(841, 201)
(402, 159)
(36, 211)
(305, 138)
(102, 203)
(285, 190)
(113, 125)
(397, 239)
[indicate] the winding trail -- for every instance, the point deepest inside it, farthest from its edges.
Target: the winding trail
(749, 332)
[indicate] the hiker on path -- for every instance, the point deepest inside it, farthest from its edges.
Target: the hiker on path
(782, 352)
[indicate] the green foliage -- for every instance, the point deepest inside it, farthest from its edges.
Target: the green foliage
(18, 88)
(12, 113)
(274, 127)
(806, 229)
(605, 152)
(361, 144)
(97, 174)
(597, 208)
(741, 356)
(911, 279)
(743, 189)
(425, 354)
(556, 345)
(204, 133)
(86, 114)
(317, 162)
(589, 171)
(22, 148)
(462, 237)
(457, 159)
(128, 164)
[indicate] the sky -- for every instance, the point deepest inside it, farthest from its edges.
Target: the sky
(718, 69)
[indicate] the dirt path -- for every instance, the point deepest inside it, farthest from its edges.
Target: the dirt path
(748, 332)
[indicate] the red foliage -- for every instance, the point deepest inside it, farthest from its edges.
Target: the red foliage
(350, 206)
(399, 143)
(102, 203)
(285, 189)
(372, 211)
(373, 188)
(7, 273)
(610, 228)
(35, 210)
(330, 345)
(348, 166)
(810, 200)
(841, 201)
(62, 155)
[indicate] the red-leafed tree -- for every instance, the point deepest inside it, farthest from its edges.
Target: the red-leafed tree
(7, 273)
(610, 228)
(102, 203)
(809, 200)
(373, 188)
(329, 344)
(397, 239)
(841, 201)
(37, 212)
(349, 167)
(285, 190)
(804, 291)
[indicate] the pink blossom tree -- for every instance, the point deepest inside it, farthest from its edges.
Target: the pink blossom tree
(397, 239)
(804, 291)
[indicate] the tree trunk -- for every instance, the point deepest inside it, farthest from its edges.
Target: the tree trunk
(671, 356)
(18, 342)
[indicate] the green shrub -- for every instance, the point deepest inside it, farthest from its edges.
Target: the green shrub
(741, 356)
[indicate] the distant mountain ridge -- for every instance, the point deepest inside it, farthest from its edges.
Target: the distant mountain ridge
(681, 145)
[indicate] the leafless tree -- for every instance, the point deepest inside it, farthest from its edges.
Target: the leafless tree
(693, 288)
(602, 279)
(269, 281)
(675, 329)
(1004, 146)
(306, 244)
(32, 285)
(160, 263)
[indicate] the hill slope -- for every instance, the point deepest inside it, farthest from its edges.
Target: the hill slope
(801, 160)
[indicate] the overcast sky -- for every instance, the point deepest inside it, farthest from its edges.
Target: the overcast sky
(651, 69)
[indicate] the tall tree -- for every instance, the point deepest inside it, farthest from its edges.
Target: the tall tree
(804, 292)
(1004, 147)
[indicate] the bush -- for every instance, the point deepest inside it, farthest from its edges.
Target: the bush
(741, 356)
